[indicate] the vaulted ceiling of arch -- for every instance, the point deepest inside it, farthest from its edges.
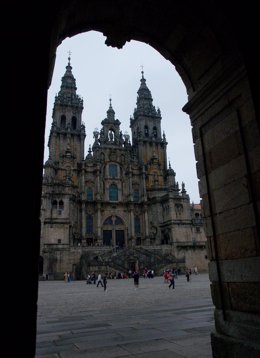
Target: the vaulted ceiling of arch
(189, 34)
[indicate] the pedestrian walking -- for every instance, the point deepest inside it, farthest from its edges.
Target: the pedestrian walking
(99, 280)
(172, 282)
(105, 282)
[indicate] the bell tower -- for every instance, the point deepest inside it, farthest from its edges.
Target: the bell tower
(67, 133)
(146, 128)
(61, 186)
(149, 143)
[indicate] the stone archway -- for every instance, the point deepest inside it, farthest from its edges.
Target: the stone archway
(207, 47)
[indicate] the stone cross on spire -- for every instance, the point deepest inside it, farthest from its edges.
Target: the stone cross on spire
(142, 72)
(69, 53)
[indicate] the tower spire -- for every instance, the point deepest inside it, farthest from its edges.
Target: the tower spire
(142, 72)
(69, 57)
(110, 111)
(144, 100)
(68, 90)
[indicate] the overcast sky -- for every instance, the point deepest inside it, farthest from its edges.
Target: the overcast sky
(102, 71)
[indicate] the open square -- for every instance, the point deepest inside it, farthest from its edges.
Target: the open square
(79, 320)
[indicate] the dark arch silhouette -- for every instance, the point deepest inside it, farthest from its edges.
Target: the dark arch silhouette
(212, 47)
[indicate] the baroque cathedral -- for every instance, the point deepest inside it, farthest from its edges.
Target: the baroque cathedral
(120, 207)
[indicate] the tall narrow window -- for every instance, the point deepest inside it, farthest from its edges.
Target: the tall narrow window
(61, 205)
(89, 224)
(146, 131)
(136, 196)
(112, 170)
(63, 121)
(89, 194)
(74, 123)
(54, 204)
(155, 132)
(113, 192)
(137, 225)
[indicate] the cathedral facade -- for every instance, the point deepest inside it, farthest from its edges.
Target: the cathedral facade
(120, 206)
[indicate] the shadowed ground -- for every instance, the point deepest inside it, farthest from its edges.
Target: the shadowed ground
(153, 321)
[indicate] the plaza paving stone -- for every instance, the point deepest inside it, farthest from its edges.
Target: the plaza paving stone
(77, 320)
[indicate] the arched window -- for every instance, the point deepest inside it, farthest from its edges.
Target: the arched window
(112, 170)
(89, 194)
(63, 121)
(155, 132)
(89, 224)
(74, 123)
(137, 225)
(111, 135)
(113, 192)
(136, 196)
(54, 204)
(61, 205)
(108, 221)
(118, 221)
(146, 131)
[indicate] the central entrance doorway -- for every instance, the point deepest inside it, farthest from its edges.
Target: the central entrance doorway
(114, 232)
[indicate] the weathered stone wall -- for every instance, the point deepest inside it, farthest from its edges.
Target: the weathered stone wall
(226, 146)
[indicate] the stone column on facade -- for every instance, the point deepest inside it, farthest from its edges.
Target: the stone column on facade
(130, 184)
(98, 188)
(82, 141)
(99, 238)
(131, 212)
(98, 199)
(83, 220)
(146, 223)
(144, 185)
(83, 213)
(132, 226)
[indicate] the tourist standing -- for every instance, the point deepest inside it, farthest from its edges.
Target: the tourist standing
(136, 279)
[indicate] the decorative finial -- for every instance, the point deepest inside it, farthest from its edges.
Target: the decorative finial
(170, 165)
(142, 72)
(69, 52)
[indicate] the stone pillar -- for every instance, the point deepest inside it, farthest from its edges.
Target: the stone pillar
(132, 225)
(130, 186)
(99, 238)
(146, 222)
(82, 143)
(83, 219)
(227, 140)
(144, 184)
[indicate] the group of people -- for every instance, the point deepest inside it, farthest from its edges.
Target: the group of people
(102, 279)
(169, 276)
(97, 280)
(69, 276)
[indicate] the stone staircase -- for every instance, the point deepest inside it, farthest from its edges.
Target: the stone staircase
(123, 259)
